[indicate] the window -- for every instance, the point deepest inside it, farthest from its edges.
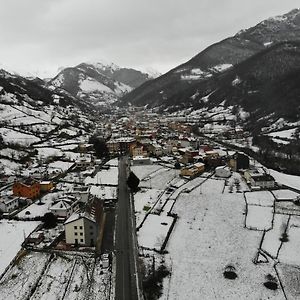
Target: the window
(75, 227)
(75, 233)
(80, 227)
(91, 227)
(81, 233)
(81, 240)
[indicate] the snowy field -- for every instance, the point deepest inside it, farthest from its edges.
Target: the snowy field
(143, 171)
(109, 176)
(154, 231)
(286, 179)
(104, 192)
(143, 202)
(12, 236)
(208, 236)
(285, 195)
(55, 277)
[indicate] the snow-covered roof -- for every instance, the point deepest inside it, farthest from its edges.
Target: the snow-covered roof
(77, 216)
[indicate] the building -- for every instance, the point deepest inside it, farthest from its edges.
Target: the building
(262, 181)
(29, 188)
(62, 209)
(139, 151)
(9, 203)
(141, 160)
(81, 192)
(239, 161)
(81, 229)
(193, 170)
(84, 228)
(46, 186)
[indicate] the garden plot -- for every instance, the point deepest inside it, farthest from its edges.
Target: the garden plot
(154, 231)
(235, 183)
(209, 235)
(271, 242)
(143, 171)
(289, 252)
(18, 281)
(261, 198)
(283, 207)
(259, 217)
(143, 202)
(161, 179)
(55, 279)
(102, 287)
(290, 278)
(12, 236)
(285, 195)
(109, 176)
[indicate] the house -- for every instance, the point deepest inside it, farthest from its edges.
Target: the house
(81, 192)
(46, 186)
(193, 170)
(62, 209)
(29, 188)
(262, 181)
(223, 172)
(83, 162)
(82, 228)
(141, 160)
(138, 151)
(9, 203)
(239, 161)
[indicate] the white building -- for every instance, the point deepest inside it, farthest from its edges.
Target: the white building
(81, 229)
(62, 209)
(9, 203)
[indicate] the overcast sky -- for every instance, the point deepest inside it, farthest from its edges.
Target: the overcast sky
(40, 36)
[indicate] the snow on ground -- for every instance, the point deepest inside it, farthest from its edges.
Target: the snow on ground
(59, 166)
(285, 195)
(283, 134)
(104, 192)
(271, 242)
(113, 162)
(287, 207)
(46, 152)
(286, 179)
(36, 209)
(12, 235)
(161, 179)
(208, 235)
(154, 231)
(143, 202)
(261, 198)
(289, 252)
(54, 281)
(13, 136)
(109, 176)
(18, 281)
(259, 217)
(9, 166)
(290, 278)
(143, 171)
(90, 85)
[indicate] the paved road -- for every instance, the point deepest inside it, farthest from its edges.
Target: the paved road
(125, 244)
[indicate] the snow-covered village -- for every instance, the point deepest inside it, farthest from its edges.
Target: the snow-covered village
(177, 179)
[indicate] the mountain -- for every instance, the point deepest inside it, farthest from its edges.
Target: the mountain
(171, 88)
(100, 83)
(34, 91)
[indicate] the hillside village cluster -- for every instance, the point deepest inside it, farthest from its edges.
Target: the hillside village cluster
(200, 206)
